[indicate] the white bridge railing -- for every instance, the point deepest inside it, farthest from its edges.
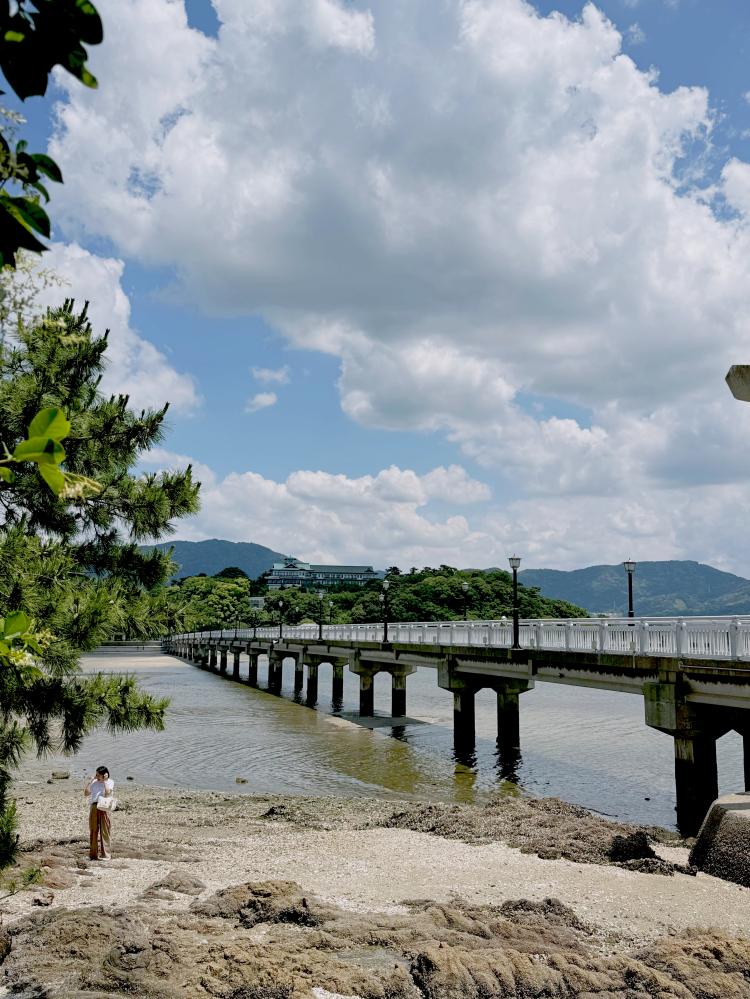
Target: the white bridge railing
(694, 637)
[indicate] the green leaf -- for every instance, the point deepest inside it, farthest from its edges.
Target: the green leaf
(5, 474)
(47, 166)
(15, 624)
(54, 478)
(50, 422)
(42, 450)
(28, 212)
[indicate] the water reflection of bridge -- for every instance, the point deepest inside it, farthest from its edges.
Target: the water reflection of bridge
(693, 674)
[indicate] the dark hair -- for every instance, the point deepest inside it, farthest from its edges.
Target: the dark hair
(103, 770)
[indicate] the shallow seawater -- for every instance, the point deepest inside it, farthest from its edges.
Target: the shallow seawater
(585, 746)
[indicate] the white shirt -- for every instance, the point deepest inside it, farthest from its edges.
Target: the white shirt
(98, 787)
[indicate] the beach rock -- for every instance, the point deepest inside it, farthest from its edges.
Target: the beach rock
(263, 902)
(60, 774)
(176, 881)
(634, 846)
(722, 847)
(240, 780)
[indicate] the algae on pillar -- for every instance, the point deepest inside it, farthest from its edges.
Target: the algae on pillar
(337, 690)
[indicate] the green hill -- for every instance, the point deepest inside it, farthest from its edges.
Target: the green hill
(660, 589)
(210, 557)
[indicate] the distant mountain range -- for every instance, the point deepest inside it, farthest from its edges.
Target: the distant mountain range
(210, 557)
(659, 588)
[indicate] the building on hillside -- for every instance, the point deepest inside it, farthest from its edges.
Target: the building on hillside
(292, 572)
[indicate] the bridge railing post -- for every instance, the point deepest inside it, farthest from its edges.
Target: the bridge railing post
(734, 638)
(680, 637)
(568, 636)
(643, 636)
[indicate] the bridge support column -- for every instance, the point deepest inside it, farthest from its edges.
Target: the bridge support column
(252, 670)
(463, 691)
(223, 661)
(508, 714)
(367, 693)
(203, 656)
(235, 664)
(695, 730)
(366, 673)
(311, 694)
(398, 689)
(275, 661)
(696, 779)
(463, 718)
(337, 689)
(299, 675)
(212, 657)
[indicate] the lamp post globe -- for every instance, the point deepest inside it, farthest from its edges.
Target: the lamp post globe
(515, 562)
(281, 618)
(630, 569)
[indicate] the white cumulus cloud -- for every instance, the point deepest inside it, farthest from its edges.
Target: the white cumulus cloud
(279, 376)
(470, 205)
(261, 400)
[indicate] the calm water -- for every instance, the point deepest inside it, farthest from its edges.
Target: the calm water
(586, 746)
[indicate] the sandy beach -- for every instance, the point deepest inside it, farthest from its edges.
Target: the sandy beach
(264, 897)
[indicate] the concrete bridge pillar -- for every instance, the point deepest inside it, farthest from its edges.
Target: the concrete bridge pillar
(398, 689)
(275, 669)
(311, 694)
(252, 671)
(367, 692)
(694, 729)
(464, 733)
(223, 661)
(337, 690)
(299, 675)
(366, 673)
(212, 657)
(236, 663)
(508, 714)
(746, 756)
(463, 691)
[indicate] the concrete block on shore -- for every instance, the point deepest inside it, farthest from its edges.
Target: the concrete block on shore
(723, 844)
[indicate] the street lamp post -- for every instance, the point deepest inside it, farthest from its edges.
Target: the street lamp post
(281, 618)
(330, 611)
(515, 562)
(384, 602)
(465, 589)
(630, 569)
(321, 594)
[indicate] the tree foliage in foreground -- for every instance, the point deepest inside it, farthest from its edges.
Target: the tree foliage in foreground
(70, 568)
(36, 36)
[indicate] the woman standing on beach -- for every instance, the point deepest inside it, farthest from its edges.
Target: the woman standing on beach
(100, 792)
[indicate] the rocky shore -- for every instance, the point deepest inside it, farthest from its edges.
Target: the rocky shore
(250, 897)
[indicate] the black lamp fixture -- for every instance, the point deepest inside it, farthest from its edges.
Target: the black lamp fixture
(465, 590)
(515, 562)
(330, 611)
(630, 569)
(383, 597)
(281, 618)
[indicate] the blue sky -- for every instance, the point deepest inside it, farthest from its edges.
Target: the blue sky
(492, 271)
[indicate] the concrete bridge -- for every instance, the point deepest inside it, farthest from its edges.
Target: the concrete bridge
(693, 674)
